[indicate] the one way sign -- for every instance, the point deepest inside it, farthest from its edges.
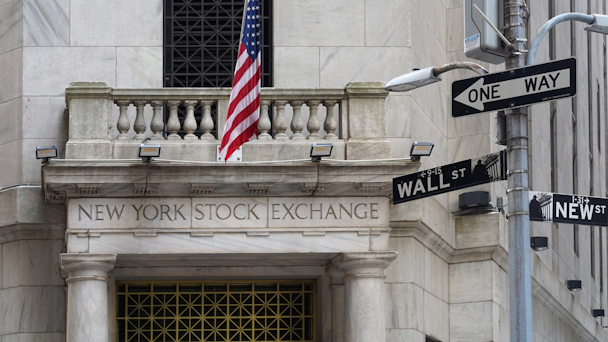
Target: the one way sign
(514, 88)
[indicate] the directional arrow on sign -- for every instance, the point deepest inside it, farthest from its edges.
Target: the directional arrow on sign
(479, 93)
(514, 88)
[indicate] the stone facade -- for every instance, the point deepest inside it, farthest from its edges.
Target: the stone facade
(86, 75)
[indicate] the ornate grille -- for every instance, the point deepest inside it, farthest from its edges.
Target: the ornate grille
(216, 311)
(201, 43)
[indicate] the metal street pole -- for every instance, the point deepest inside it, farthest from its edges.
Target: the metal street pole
(520, 282)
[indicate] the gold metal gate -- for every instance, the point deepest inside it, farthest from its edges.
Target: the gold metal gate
(215, 311)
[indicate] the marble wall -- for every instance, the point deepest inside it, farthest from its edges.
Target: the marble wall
(32, 296)
(46, 45)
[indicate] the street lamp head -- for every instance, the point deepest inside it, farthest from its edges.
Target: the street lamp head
(413, 80)
(599, 25)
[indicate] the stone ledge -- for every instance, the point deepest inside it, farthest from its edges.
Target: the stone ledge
(31, 231)
(26, 205)
(547, 288)
(175, 179)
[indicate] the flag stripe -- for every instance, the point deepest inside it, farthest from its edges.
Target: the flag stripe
(246, 84)
(244, 107)
(245, 98)
(244, 115)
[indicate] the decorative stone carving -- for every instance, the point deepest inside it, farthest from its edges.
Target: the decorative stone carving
(312, 187)
(206, 121)
(190, 121)
(88, 188)
(330, 124)
(87, 303)
(313, 120)
(55, 197)
(258, 188)
(202, 188)
(123, 124)
(264, 125)
(145, 188)
(157, 124)
(364, 317)
(297, 124)
(280, 124)
(371, 187)
(173, 122)
(140, 123)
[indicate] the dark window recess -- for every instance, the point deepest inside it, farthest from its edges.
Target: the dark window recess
(201, 42)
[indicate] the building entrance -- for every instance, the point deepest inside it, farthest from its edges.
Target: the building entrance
(189, 311)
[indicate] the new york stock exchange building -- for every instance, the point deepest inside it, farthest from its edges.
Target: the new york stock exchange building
(100, 245)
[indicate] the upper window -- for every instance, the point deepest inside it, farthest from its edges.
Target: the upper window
(201, 42)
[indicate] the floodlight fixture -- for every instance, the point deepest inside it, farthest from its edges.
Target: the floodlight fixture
(421, 149)
(539, 243)
(598, 313)
(574, 285)
(147, 152)
(46, 153)
(320, 150)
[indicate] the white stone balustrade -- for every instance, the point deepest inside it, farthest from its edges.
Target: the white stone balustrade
(311, 99)
(105, 123)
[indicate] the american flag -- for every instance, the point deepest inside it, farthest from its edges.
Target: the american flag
(244, 108)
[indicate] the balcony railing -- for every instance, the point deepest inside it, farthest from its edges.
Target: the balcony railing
(108, 123)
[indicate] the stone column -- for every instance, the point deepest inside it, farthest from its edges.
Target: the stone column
(337, 304)
(364, 294)
(87, 307)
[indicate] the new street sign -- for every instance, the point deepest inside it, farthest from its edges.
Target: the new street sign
(585, 210)
(514, 88)
(480, 170)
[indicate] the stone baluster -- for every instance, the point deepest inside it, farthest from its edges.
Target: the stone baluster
(157, 123)
(140, 122)
(264, 123)
(190, 121)
(297, 124)
(330, 121)
(364, 317)
(87, 303)
(173, 122)
(280, 124)
(313, 120)
(206, 121)
(123, 125)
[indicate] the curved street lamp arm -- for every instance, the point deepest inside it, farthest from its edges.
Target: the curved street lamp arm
(586, 18)
(460, 65)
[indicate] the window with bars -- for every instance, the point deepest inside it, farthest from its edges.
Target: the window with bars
(216, 311)
(201, 43)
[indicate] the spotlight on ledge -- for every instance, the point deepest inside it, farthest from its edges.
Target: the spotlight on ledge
(46, 153)
(574, 285)
(539, 243)
(147, 152)
(320, 150)
(597, 313)
(421, 149)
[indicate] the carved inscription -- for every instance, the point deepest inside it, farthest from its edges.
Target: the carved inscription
(314, 212)
(221, 213)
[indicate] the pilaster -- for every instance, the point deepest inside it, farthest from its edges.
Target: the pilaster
(364, 294)
(87, 318)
